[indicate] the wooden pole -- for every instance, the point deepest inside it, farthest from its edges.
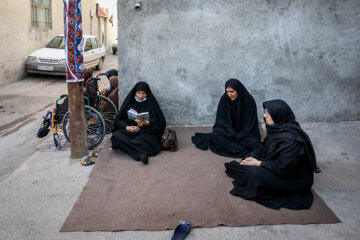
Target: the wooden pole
(75, 77)
(78, 139)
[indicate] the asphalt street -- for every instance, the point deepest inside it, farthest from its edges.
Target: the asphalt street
(22, 106)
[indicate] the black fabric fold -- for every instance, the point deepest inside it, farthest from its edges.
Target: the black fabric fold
(285, 175)
(287, 127)
(235, 132)
(147, 141)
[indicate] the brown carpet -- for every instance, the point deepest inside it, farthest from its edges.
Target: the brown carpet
(189, 184)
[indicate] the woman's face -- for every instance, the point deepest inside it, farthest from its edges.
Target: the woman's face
(232, 93)
(268, 118)
(141, 95)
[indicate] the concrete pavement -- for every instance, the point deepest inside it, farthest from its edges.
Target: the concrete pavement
(38, 189)
(22, 106)
(39, 194)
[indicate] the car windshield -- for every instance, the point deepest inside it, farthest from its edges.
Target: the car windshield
(57, 42)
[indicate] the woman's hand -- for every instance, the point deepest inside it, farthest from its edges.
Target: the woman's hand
(251, 162)
(142, 123)
(132, 128)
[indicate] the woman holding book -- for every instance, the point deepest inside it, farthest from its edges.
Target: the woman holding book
(280, 172)
(236, 131)
(140, 137)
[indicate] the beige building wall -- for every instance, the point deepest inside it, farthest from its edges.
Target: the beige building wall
(18, 38)
(110, 33)
(106, 33)
(89, 17)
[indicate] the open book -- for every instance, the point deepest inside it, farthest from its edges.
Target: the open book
(133, 114)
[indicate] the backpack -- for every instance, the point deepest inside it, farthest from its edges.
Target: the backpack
(169, 140)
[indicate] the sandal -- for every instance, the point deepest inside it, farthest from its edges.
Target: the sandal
(96, 153)
(91, 159)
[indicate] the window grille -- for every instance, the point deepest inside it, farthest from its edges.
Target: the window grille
(41, 14)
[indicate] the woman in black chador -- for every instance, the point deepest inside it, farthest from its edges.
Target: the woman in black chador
(279, 173)
(139, 139)
(236, 132)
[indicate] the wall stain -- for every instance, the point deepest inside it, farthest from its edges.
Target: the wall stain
(282, 81)
(181, 73)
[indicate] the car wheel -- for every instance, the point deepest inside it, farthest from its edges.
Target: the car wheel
(100, 65)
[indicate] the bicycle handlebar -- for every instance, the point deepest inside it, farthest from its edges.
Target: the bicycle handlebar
(93, 78)
(103, 74)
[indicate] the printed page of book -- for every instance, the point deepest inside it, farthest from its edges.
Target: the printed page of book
(132, 114)
(143, 116)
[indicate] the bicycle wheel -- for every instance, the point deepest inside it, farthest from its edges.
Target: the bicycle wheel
(95, 127)
(57, 141)
(108, 111)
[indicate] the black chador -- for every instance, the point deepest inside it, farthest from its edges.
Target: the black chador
(236, 131)
(285, 175)
(147, 141)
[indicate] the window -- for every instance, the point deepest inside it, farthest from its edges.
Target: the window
(95, 43)
(88, 44)
(41, 14)
(98, 43)
(57, 42)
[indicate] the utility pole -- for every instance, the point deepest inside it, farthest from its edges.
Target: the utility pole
(78, 139)
(75, 77)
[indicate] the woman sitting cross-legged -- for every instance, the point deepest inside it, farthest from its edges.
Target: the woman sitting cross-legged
(236, 131)
(280, 172)
(139, 138)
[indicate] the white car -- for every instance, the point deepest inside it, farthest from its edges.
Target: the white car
(51, 58)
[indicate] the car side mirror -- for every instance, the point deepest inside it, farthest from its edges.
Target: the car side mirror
(87, 49)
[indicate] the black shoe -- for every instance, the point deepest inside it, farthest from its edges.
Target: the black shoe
(182, 230)
(317, 169)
